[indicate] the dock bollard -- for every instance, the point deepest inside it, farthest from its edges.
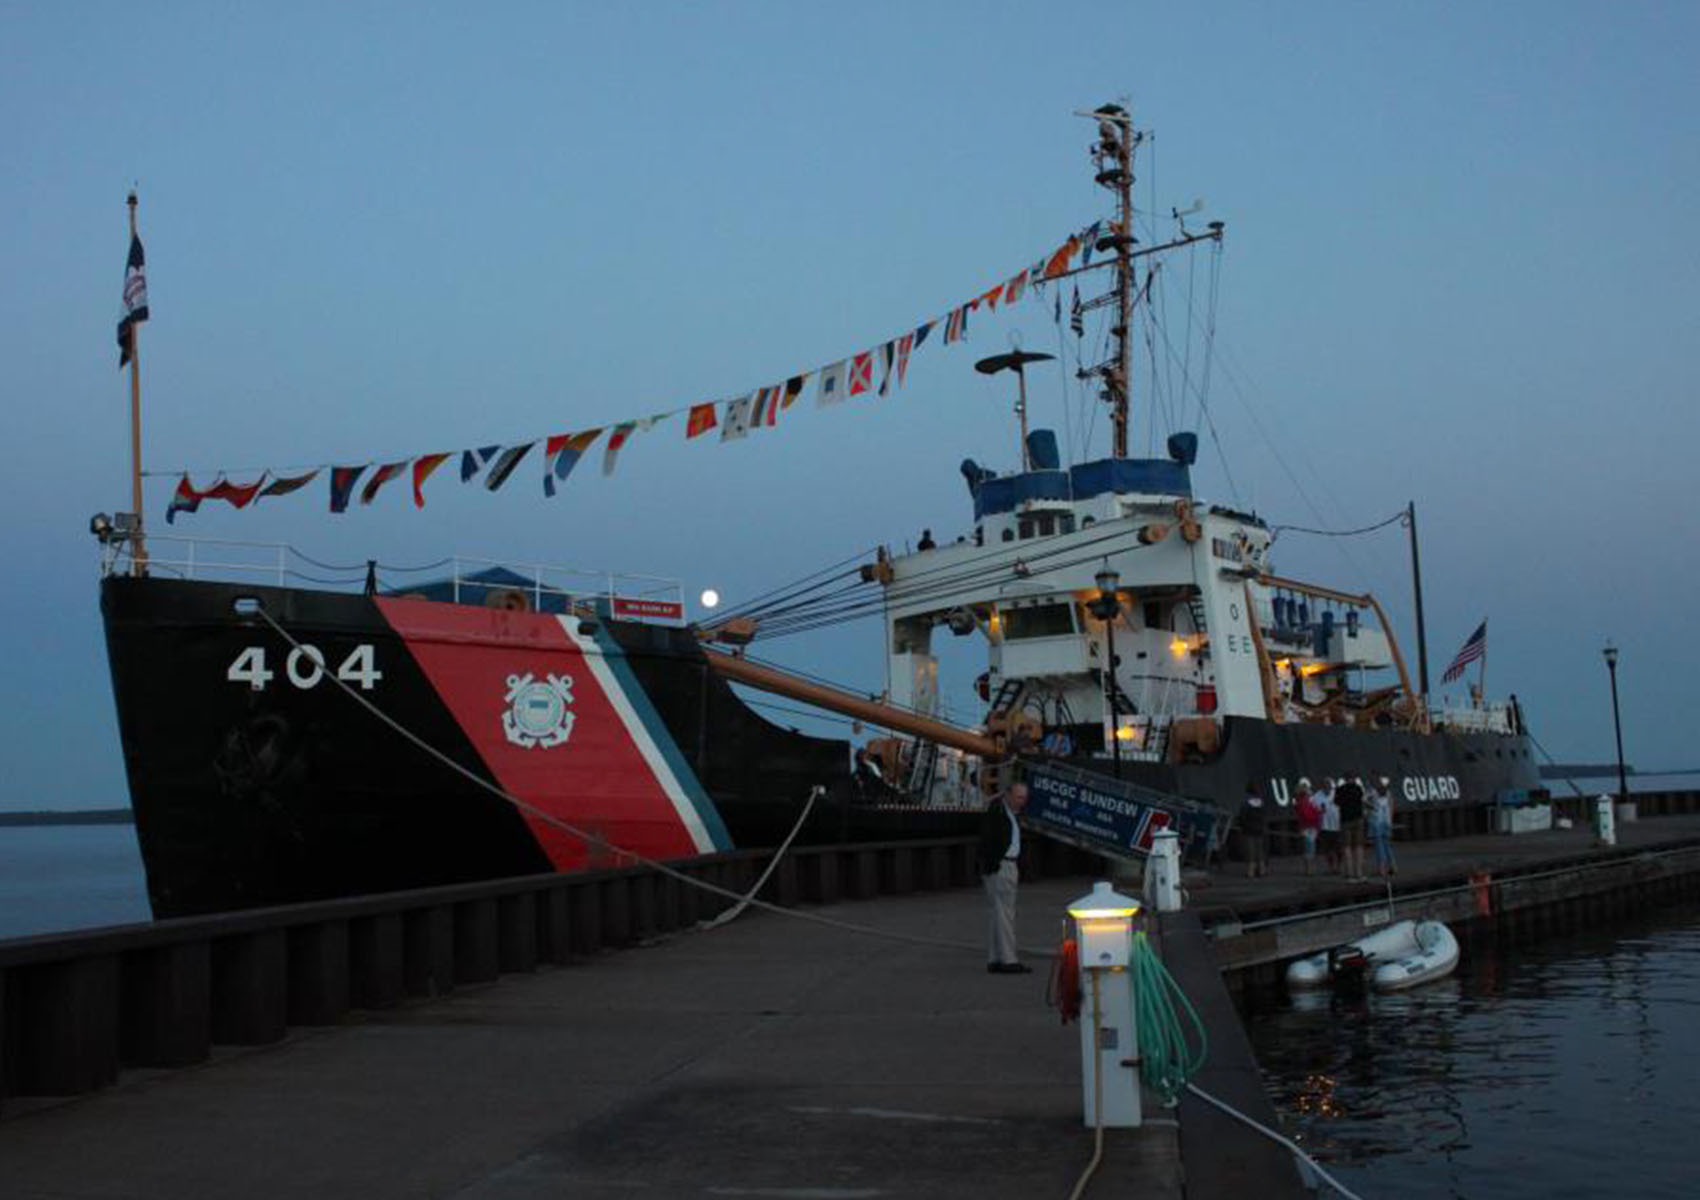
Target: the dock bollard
(1605, 821)
(1109, 1047)
(1163, 872)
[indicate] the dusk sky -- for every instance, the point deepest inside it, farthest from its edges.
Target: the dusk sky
(1459, 269)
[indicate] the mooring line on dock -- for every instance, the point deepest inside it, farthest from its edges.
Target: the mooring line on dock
(733, 913)
(598, 841)
(1276, 1136)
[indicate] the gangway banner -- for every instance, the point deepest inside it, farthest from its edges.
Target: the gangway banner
(1111, 816)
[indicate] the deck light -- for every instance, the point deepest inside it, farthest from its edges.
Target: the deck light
(710, 598)
(1109, 1075)
(1103, 903)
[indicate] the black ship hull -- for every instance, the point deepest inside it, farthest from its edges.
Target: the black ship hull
(258, 775)
(257, 779)
(1445, 768)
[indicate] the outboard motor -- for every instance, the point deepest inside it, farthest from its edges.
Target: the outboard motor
(1348, 967)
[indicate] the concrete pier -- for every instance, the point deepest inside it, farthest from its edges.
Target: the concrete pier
(768, 1058)
(486, 1041)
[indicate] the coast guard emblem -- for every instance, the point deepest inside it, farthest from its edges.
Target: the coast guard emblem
(538, 713)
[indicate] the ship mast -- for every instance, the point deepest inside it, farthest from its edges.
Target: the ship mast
(1113, 155)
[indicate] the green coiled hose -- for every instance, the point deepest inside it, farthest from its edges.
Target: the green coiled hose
(1167, 1060)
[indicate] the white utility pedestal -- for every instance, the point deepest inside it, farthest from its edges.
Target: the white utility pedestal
(1163, 872)
(1606, 820)
(1109, 1047)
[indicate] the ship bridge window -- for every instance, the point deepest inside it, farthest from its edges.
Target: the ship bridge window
(1040, 620)
(1026, 529)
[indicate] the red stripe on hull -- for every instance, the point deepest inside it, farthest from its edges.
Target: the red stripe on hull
(488, 665)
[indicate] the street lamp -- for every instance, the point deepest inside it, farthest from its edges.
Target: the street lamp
(1106, 608)
(1610, 653)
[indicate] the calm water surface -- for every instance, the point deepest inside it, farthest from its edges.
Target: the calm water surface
(1563, 1068)
(58, 877)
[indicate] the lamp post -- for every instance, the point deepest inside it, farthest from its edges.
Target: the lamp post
(1610, 653)
(1106, 608)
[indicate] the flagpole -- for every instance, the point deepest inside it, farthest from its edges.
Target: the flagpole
(138, 551)
(1481, 667)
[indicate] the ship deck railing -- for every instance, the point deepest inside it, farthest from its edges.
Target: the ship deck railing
(468, 579)
(1485, 718)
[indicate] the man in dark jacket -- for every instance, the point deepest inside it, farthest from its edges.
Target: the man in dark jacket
(1350, 797)
(1254, 828)
(1000, 847)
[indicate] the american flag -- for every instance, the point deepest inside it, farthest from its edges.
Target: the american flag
(1473, 649)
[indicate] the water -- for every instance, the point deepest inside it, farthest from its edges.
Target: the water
(1590, 785)
(60, 877)
(1557, 1069)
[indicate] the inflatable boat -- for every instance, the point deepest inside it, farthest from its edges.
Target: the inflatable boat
(1403, 955)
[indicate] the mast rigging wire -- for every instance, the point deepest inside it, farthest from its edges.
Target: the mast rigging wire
(1276, 530)
(855, 608)
(761, 598)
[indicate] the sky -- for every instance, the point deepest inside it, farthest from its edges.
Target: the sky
(1457, 271)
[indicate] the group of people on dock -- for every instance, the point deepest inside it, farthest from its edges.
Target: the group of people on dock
(1335, 819)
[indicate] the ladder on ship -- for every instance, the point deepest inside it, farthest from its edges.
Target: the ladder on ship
(1009, 695)
(922, 768)
(1195, 606)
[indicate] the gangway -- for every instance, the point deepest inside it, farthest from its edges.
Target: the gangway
(1113, 817)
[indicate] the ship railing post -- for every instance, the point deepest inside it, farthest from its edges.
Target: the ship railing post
(457, 578)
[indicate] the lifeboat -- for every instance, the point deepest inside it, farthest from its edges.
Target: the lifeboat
(1403, 955)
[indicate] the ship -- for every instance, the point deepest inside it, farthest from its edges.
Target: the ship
(287, 740)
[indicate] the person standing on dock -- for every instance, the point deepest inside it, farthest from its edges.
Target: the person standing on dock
(1254, 828)
(1349, 799)
(1330, 824)
(1310, 822)
(1000, 850)
(1379, 807)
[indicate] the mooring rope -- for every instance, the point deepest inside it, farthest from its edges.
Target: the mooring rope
(1267, 1132)
(733, 913)
(591, 838)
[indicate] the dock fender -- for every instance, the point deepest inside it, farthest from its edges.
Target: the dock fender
(1481, 884)
(1063, 994)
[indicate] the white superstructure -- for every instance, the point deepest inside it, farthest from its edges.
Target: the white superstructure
(1203, 628)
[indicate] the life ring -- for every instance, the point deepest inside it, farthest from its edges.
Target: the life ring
(508, 600)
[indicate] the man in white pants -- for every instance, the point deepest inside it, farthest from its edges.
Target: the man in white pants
(1000, 848)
